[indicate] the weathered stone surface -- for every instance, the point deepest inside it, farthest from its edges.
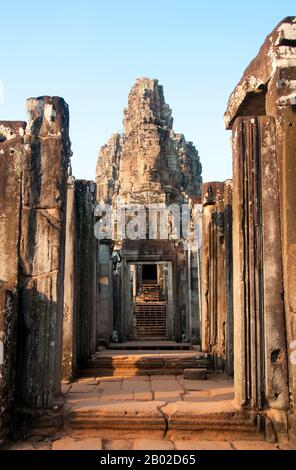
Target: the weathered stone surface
(257, 267)
(202, 445)
(118, 395)
(206, 416)
(69, 354)
(86, 272)
(277, 52)
(169, 396)
(149, 156)
(145, 396)
(117, 444)
(228, 218)
(68, 443)
(11, 155)
(195, 374)
(267, 89)
(118, 415)
(42, 244)
(165, 386)
(217, 312)
(253, 445)
(82, 388)
(152, 444)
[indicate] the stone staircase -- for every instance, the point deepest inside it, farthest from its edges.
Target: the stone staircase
(173, 420)
(166, 406)
(133, 363)
(150, 320)
(149, 293)
(144, 391)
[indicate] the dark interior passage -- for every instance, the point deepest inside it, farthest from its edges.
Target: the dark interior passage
(149, 273)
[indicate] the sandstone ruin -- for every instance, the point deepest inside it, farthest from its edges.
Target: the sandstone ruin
(148, 256)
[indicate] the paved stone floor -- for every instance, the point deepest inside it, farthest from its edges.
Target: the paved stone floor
(71, 442)
(144, 396)
(165, 388)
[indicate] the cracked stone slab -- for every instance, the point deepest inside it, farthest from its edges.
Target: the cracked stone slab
(214, 415)
(119, 415)
(194, 410)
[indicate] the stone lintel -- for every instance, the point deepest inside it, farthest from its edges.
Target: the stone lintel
(277, 51)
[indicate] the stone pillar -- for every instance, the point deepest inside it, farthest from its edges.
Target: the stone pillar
(105, 313)
(69, 358)
(213, 269)
(172, 311)
(259, 327)
(267, 88)
(86, 258)
(228, 276)
(42, 248)
(11, 151)
(193, 292)
(281, 104)
(181, 322)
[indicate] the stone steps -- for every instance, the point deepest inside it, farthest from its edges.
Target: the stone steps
(117, 364)
(178, 419)
(156, 344)
(150, 319)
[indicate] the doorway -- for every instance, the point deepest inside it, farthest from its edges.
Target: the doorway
(149, 292)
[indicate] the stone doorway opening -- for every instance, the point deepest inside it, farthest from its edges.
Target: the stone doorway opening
(149, 287)
(149, 275)
(150, 298)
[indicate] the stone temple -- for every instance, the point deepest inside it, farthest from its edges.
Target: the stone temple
(151, 167)
(148, 309)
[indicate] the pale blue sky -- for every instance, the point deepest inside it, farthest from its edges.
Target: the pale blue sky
(90, 52)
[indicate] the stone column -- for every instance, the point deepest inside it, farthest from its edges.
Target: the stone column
(181, 322)
(69, 358)
(105, 311)
(281, 104)
(228, 275)
(11, 154)
(213, 269)
(259, 328)
(85, 279)
(42, 248)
